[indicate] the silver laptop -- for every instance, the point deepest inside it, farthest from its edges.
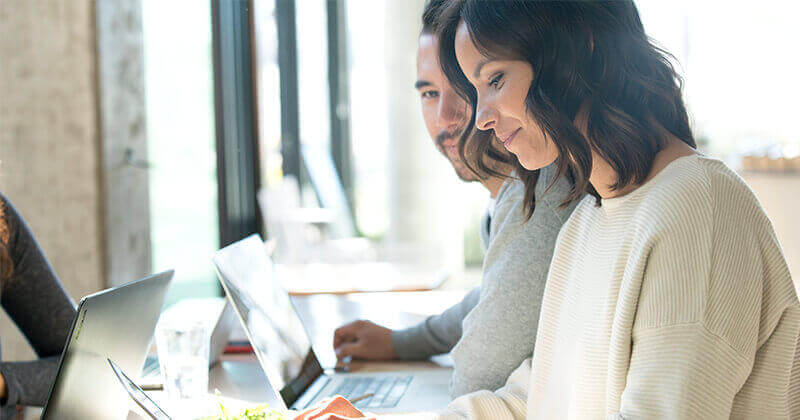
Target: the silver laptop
(284, 350)
(138, 395)
(117, 323)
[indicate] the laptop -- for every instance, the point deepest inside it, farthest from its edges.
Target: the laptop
(117, 323)
(283, 347)
(138, 395)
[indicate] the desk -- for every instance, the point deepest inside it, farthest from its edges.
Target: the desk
(374, 276)
(240, 377)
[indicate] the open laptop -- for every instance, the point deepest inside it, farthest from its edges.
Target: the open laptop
(117, 323)
(284, 350)
(138, 395)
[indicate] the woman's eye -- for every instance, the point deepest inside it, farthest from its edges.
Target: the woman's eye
(495, 82)
(430, 94)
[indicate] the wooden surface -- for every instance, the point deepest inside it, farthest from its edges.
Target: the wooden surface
(242, 382)
(322, 314)
(365, 277)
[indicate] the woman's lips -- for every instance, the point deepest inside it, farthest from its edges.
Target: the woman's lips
(509, 139)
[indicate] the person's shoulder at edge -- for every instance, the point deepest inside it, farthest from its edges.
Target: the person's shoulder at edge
(697, 181)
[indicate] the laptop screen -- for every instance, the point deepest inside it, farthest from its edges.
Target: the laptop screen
(136, 393)
(276, 333)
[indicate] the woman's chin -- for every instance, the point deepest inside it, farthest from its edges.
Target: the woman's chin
(533, 163)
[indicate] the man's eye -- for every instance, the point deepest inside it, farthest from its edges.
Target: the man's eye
(495, 82)
(430, 94)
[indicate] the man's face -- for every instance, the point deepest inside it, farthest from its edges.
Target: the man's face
(445, 113)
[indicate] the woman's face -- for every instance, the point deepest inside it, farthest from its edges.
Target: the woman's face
(502, 86)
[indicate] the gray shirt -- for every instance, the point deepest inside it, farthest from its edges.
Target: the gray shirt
(493, 329)
(34, 299)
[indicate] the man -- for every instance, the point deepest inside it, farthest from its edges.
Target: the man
(493, 329)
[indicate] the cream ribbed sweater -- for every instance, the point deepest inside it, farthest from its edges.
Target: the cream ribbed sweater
(673, 301)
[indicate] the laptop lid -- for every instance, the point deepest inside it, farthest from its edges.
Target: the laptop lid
(270, 321)
(138, 395)
(117, 323)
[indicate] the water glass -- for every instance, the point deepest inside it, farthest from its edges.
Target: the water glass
(183, 351)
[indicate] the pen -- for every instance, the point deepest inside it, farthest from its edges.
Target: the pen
(363, 397)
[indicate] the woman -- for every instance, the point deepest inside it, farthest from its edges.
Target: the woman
(32, 296)
(668, 295)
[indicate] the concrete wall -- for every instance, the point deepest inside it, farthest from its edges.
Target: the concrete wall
(123, 130)
(71, 105)
(49, 143)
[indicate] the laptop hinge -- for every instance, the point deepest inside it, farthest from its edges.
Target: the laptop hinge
(311, 393)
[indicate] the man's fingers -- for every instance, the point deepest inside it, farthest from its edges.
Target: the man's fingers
(354, 349)
(346, 333)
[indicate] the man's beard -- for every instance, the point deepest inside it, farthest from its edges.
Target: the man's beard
(462, 171)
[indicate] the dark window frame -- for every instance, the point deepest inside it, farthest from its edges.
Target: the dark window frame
(290, 99)
(238, 173)
(339, 93)
(238, 170)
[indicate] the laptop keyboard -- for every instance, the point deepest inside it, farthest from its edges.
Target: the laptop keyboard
(386, 390)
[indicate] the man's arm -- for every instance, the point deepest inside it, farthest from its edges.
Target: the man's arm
(436, 335)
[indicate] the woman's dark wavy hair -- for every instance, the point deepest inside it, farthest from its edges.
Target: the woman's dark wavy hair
(592, 53)
(6, 264)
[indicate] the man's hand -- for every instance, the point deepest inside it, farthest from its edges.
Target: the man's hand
(364, 340)
(336, 408)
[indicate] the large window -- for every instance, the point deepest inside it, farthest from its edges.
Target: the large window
(374, 73)
(338, 50)
(181, 145)
(369, 114)
(268, 91)
(739, 67)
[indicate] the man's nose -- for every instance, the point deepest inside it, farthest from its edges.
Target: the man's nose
(451, 111)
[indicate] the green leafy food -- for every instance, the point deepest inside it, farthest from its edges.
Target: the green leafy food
(261, 412)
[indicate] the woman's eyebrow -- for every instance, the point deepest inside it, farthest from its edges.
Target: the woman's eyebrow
(421, 84)
(479, 67)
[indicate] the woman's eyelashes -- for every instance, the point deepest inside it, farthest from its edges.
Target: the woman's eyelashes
(495, 82)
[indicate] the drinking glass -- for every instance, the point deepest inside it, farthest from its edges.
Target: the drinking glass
(183, 348)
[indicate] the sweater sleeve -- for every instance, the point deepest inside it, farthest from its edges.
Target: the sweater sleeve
(40, 307)
(508, 402)
(437, 334)
(714, 319)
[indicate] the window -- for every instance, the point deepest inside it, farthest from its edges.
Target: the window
(739, 71)
(336, 108)
(181, 145)
(268, 86)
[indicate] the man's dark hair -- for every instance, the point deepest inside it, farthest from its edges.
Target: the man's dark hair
(430, 15)
(592, 53)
